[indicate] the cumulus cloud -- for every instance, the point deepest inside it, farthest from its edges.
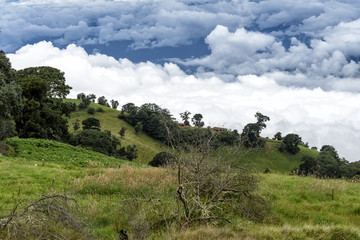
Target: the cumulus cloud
(158, 23)
(320, 117)
(325, 63)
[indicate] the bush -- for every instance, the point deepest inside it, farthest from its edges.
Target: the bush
(99, 109)
(91, 123)
(97, 141)
(162, 159)
(91, 110)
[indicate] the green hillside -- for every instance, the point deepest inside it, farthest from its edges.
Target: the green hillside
(276, 161)
(269, 157)
(105, 187)
(147, 147)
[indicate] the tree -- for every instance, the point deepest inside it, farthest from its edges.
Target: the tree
(76, 125)
(328, 166)
(97, 141)
(91, 123)
(102, 101)
(277, 136)
(261, 119)
(92, 97)
(185, 116)
(331, 150)
(250, 135)
(43, 90)
(209, 186)
(122, 132)
(290, 143)
(91, 111)
(196, 119)
(128, 107)
(10, 97)
(81, 96)
(138, 128)
(308, 167)
(163, 159)
(114, 104)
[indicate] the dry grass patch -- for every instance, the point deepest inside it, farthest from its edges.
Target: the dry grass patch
(130, 177)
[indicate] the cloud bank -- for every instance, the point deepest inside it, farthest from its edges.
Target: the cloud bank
(320, 117)
(297, 43)
(325, 63)
(156, 23)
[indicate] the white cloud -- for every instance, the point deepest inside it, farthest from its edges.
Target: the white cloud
(320, 117)
(156, 23)
(324, 64)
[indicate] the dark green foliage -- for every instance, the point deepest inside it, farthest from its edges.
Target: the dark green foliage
(138, 128)
(43, 89)
(122, 132)
(91, 110)
(102, 101)
(331, 150)
(97, 141)
(92, 97)
(290, 143)
(277, 136)
(250, 135)
(229, 138)
(130, 152)
(91, 123)
(114, 104)
(328, 166)
(197, 120)
(261, 119)
(101, 110)
(54, 79)
(10, 97)
(162, 159)
(127, 108)
(76, 125)
(308, 167)
(185, 116)
(81, 96)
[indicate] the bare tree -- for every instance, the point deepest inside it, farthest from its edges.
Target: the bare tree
(49, 217)
(210, 182)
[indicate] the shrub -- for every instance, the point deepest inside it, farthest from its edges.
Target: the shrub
(97, 141)
(99, 109)
(162, 159)
(91, 110)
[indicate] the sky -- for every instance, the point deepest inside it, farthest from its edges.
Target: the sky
(294, 61)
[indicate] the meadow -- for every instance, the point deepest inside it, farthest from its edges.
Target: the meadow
(114, 194)
(107, 188)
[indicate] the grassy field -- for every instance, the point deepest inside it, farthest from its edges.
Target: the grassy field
(106, 189)
(114, 194)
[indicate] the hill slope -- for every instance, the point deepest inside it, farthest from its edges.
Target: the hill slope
(269, 157)
(147, 147)
(301, 208)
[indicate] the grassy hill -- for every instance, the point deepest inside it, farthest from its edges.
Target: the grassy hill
(147, 147)
(114, 194)
(301, 208)
(276, 161)
(269, 157)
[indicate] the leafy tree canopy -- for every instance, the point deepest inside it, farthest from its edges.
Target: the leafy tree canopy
(197, 120)
(290, 143)
(43, 90)
(91, 123)
(10, 97)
